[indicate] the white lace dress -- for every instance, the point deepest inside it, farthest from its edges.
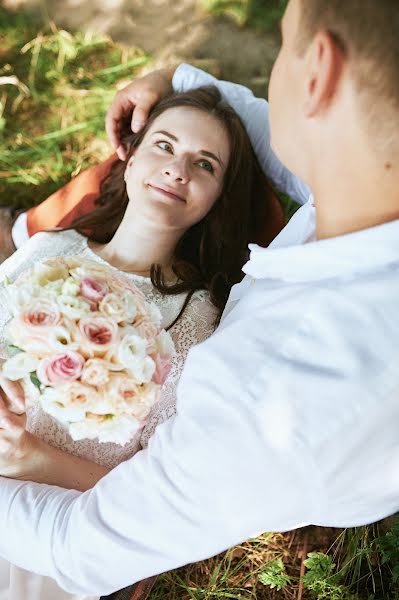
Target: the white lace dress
(195, 325)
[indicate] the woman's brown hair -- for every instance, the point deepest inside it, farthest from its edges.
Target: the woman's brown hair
(211, 253)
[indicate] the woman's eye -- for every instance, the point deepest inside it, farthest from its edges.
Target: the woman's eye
(165, 146)
(205, 164)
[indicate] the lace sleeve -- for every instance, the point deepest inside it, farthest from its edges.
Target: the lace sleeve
(196, 325)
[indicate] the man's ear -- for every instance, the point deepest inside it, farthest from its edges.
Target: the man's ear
(324, 66)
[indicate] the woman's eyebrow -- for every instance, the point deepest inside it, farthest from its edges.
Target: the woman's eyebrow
(203, 152)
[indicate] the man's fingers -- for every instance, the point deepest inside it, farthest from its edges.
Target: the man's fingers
(140, 116)
(120, 107)
(112, 129)
(14, 394)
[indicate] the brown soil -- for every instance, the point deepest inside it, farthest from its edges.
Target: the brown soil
(171, 31)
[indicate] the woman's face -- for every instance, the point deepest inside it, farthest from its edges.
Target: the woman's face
(177, 172)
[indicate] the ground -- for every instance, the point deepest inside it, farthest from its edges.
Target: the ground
(172, 32)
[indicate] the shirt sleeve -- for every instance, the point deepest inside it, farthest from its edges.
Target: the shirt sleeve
(254, 113)
(208, 480)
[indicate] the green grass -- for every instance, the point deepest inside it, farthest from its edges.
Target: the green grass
(55, 88)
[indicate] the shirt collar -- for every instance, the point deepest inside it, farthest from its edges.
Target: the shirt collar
(350, 254)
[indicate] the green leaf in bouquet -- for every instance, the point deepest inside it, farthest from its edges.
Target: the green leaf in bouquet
(13, 350)
(35, 380)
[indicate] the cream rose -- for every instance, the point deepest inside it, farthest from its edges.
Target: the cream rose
(69, 402)
(40, 313)
(146, 329)
(95, 372)
(119, 307)
(122, 392)
(121, 284)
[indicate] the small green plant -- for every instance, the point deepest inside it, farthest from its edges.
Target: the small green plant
(388, 546)
(274, 575)
(321, 579)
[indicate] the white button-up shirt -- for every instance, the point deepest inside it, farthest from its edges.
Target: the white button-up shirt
(287, 415)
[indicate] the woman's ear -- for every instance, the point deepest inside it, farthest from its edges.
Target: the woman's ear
(130, 161)
(128, 166)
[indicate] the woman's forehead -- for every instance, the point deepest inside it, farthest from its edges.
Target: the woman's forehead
(192, 125)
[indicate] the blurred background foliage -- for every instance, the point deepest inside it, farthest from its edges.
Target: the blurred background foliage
(261, 14)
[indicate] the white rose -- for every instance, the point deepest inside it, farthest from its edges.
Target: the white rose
(19, 295)
(119, 430)
(60, 339)
(19, 366)
(52, 289)
(119, 307)
(142, 369)
(165, 344)
(68, 402)
(32, 393)
(154, 314)
(51, 270)
(73, 307)
(131, 351)
(70, 287)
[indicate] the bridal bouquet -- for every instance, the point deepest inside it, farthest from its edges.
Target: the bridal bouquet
(86, 345)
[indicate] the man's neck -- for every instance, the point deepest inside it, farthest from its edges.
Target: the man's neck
(355, 194)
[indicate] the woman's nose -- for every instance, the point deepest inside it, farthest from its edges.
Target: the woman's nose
(177, 170)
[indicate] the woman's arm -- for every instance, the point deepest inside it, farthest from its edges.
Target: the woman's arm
(26, 457)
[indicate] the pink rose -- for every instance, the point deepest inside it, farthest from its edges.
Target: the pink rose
(60, 368)
(162, 368)
(40, 313)
(98, 332)
(93, 289)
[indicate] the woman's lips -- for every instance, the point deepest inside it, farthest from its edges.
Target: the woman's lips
(166, 192)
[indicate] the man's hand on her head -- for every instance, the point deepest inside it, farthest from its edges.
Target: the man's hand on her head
(139, 96)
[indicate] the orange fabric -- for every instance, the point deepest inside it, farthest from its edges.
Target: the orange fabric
(77, 198)
(73, 200)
